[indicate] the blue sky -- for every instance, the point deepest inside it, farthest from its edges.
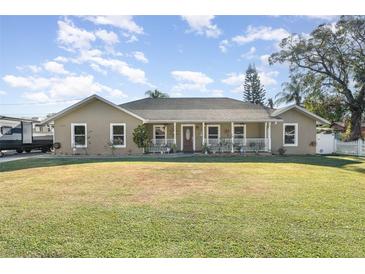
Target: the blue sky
(49, 62)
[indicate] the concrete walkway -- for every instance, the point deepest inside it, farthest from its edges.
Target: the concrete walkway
(13, 156)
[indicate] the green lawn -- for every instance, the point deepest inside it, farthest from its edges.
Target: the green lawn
(307, 206)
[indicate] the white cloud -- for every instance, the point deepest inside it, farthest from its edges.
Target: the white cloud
(109, 37)
(322, 17)
(234, 79)
(2, 93)
(55, 88)
(124, 22)
(223, 45)
(72, 38)
(260, 33)
(203, 25)
(265, 59)
(39, 97)
(32, 83)
(97, 68)
(61, 59)
(176, 94)
(140, 56)
(190, 80)
(131, 37)
(216, 92)
(249, 54)
(268, 77)
(55, 67)
(135, 75)
(31, 68)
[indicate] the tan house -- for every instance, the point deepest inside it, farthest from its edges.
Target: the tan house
(97, 126)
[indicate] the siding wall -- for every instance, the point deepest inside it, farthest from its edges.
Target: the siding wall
(306, 133)
(98, 116)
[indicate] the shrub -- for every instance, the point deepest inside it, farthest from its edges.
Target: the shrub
(140, 136)
(281, 151)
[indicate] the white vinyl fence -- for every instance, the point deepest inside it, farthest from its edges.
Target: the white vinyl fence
(328, 144)
(350, 148)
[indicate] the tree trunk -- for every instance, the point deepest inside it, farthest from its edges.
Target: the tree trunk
(356, 117)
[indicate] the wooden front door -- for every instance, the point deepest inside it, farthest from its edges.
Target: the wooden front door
(188, 138)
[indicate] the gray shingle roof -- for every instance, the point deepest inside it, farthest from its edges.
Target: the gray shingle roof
(198, 109)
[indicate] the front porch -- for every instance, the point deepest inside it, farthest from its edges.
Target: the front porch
(209, 137)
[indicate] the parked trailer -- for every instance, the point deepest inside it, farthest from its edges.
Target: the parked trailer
(18, 134)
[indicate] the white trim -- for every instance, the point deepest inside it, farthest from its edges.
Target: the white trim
(308, 113)
(269, 136)
(265, 130)
(182, 133)
(232, 137)
(219, 131)
(87, 99)
(296, 134)
(154, 132)
(175, 133)
(73, 135)
(125, 134)
(147, 121)
(203, 133)
(244, 131)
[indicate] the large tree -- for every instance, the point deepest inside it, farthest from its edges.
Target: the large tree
(253, 91)
(293, 91)
(156, 94)
(334, 56)
(330, 107)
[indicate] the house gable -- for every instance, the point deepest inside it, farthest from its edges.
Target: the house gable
(87, 100)
(305, 112)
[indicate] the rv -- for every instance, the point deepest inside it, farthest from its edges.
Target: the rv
(22, 134)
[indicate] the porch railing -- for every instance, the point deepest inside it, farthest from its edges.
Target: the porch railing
(216, 145)
(239, 144)
(160, 145)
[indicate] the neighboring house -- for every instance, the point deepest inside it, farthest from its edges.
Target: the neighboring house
(340, 127)
(223, 124)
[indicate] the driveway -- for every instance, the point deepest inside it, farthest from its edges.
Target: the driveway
(11, 155)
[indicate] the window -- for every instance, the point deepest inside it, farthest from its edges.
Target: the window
(6, 130)
(239, 134)
(79, 135)
(37, 129)
(290, 134)
(159, 134)
(117, 135)
(213, 133)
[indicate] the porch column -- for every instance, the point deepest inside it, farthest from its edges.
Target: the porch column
(203, 133)
(269, 134)
(232, 136)
(175, 133)
(265, 135)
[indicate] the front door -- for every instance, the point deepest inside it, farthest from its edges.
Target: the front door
(188, 138)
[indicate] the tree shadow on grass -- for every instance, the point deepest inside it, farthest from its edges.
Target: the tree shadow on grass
(325, 161)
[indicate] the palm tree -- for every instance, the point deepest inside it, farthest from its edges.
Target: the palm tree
(156, 94)
(293, 91)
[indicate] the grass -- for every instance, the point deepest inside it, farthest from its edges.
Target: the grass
(306, 206)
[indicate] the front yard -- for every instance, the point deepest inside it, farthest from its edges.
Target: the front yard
(290, 206)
